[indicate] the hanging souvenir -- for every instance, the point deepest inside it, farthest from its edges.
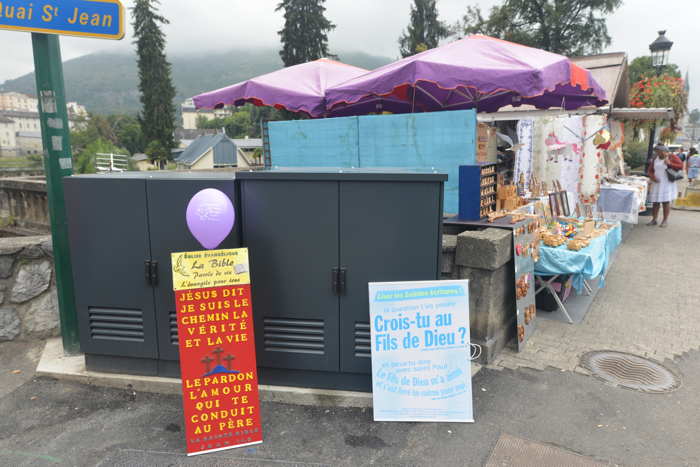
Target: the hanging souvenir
(591, 170)
(570, 132)
(523, 156)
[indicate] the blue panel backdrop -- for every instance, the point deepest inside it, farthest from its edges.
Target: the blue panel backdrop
(326, 142)
(437, 140)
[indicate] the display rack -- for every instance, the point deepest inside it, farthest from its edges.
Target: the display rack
(478, 189)
(526, 252)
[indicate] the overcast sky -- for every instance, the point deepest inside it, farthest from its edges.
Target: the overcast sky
(372, 26)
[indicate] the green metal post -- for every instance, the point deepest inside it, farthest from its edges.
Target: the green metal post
(58, 163)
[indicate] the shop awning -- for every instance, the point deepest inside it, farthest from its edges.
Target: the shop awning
(633, 113)
(511, 114)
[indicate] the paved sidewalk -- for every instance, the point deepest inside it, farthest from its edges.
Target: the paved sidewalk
(48, 422)
(650, 305)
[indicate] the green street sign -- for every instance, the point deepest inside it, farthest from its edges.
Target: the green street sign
(102, 19)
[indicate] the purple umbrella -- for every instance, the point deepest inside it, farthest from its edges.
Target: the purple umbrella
(476, 72)
(298, 88)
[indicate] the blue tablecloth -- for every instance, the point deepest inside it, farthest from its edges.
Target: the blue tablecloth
(588, 263)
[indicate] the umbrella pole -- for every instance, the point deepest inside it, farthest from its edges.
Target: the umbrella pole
(413, 100)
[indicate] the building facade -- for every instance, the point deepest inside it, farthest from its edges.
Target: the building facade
(190, 114)
(18, 101)
(20, 127)
(8, 140)
(29, 143)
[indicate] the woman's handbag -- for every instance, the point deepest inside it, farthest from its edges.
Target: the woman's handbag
(673, 174)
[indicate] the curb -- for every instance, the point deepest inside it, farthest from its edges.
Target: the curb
(55, 364)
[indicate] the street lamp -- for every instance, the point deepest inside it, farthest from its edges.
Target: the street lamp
(660, 50)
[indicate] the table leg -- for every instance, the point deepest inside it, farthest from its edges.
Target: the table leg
(548, 285)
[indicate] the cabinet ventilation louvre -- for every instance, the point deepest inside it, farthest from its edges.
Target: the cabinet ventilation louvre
(173, 327)
(116, 324)
(294, 335)
(362, 340)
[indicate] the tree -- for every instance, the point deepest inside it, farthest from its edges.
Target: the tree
(84, 160)
(694, 117)
(90, 129)
(424, 30)
(566, 27)
(120, 130)
(305, 33)
(159, 154)
(129, 134)
(641, 67)
(245, 121)
(202, 122)
(157, 117)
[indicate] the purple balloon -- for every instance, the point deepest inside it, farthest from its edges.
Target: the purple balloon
(210, 217)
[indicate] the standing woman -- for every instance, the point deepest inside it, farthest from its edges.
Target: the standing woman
(693, 165)
(662, 189)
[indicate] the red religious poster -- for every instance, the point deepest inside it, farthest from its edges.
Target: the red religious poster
(217, 350)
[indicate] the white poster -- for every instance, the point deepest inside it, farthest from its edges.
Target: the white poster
(421, 368)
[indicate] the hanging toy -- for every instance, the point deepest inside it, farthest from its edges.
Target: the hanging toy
(602, 139)
(568, 230)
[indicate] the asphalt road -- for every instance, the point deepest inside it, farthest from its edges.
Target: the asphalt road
(47, 422)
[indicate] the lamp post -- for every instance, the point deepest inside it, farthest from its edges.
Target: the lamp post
(660, 50)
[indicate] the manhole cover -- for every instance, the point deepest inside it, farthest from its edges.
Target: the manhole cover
(518, 452)
(631, 372)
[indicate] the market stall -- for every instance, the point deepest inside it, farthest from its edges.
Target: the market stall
(583, 258)
(545, 161)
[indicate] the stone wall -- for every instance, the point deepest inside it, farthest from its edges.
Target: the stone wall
(21, 172)
(485, 257)
(28, 301)
(24, 203)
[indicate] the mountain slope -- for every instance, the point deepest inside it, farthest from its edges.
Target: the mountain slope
(107, 83)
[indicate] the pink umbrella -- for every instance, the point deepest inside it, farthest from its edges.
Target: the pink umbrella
(476, 72)
(298, 88)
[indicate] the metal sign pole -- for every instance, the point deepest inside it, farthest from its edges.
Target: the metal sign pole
(58, 163)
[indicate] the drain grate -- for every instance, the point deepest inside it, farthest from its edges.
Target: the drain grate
(631, 371)
(511, 451)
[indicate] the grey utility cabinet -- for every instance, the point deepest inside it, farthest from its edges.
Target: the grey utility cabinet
(122, 229)
(316, 238)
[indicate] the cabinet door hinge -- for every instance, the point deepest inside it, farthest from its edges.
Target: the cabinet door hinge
(342, 282)
(154, 273)
(147, 271)
(335, 281)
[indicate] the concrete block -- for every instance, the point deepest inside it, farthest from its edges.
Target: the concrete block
(449, 243)
(491, 301)
(448, 263)
(484, 249)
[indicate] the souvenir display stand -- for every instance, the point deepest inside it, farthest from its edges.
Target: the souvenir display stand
(477, 191)
(623, 198)
(584, 265)
(526, 247)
